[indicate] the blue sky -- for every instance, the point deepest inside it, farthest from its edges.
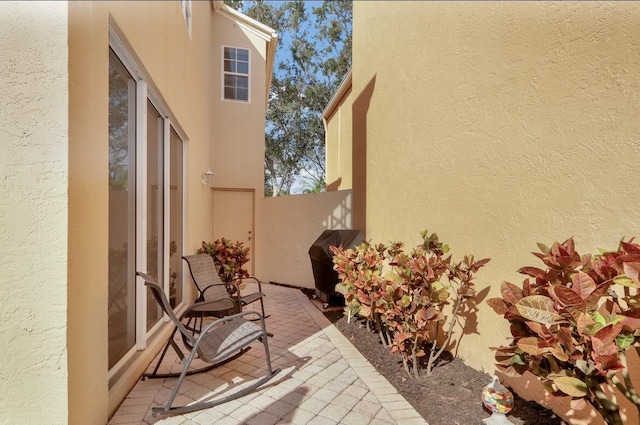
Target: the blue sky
(282, 53)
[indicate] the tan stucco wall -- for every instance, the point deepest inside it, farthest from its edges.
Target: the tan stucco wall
(338, 136)
(180, 69)
(498, 125)
(34, 129)
(237, 154)
(290, 224)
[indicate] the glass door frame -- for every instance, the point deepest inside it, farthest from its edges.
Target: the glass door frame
(144, 93)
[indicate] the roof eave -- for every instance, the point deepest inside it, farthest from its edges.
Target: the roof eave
(337, 96)
(265, 32)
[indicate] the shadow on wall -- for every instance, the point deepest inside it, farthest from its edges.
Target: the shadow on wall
(334, 185)
(290, 225)
(360, 110)
(340, 217)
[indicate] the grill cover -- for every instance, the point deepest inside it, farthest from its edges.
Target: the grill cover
(322, 260)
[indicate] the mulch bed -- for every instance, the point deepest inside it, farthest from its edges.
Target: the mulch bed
(450, 395)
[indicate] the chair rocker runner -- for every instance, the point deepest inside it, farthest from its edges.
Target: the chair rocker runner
(207, 280)
(218, 342)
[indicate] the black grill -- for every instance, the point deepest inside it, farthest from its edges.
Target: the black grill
(322, 262)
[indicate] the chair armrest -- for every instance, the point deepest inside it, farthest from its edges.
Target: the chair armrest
(211, 286)
(251, 277)
(234, 293)
(203, 306)
(214, 284)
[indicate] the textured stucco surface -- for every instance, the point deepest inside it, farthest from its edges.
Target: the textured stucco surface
(238, 142)
(54, 200)
(498, 125)
(33, 212)
(290, 224)
(237, 154)
(339, 150)
(185, 72)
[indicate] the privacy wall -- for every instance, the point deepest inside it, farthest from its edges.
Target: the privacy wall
(290, 224)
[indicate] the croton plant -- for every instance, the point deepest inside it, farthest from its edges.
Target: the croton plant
(572, 323)
(406, 304)
(360, 273)
(229, 258)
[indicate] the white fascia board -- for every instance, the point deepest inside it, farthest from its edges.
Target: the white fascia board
(335, 99)
(263, 31)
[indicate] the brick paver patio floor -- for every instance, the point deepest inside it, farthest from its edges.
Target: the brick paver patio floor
(324, 378)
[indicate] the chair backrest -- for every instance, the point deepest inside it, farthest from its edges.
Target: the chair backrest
(162, 300)
(204, 274)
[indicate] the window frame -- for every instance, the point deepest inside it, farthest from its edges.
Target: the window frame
(145, 93)
(236, 74)
(186, 6)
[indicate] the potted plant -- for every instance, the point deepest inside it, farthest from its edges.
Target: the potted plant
(229, 258)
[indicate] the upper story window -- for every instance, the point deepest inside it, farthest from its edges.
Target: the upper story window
(185, 5)
(236, 74)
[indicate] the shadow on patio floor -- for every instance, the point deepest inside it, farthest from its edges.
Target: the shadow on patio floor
(324, 379)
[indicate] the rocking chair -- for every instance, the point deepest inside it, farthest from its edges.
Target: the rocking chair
(223, 339)
(207, 280)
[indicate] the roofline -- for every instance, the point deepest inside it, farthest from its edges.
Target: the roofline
(337, 96)
(263, 31)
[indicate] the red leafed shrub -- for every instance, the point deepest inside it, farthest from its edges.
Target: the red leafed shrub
(572, 322)
(360, 272)
(406, 303)
(228, 257)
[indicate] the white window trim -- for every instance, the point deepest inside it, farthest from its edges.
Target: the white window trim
(167, 208)
(141, 213)
(187, 12)
(248, 75)
(143, 92)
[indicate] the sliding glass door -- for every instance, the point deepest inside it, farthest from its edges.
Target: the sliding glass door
(176, 219)
(122, 201)
(155, 206)
(145, 207)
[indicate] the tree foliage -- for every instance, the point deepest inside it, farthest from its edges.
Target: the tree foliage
(314, 55)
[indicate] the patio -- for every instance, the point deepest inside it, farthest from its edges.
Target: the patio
(324, 379)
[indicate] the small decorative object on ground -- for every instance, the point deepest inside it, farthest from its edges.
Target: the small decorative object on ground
(497, 398)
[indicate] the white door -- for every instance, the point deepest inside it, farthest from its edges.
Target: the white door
(233, 218)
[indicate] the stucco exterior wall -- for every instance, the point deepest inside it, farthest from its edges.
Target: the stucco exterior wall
(290, 224)
(237, 155)
(34, 148)
(238, 143)
(498, 125)
(179, 68)
(339, 149)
